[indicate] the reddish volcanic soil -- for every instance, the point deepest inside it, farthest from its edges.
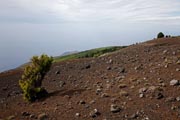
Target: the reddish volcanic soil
(140, 82)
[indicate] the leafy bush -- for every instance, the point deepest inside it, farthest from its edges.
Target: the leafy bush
(34, 73)
(160, 35)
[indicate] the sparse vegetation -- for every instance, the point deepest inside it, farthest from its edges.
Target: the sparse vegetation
(160, 35)
(34, 73)
(89, 53)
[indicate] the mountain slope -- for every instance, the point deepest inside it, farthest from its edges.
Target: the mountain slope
(89, 53)
(138, 82)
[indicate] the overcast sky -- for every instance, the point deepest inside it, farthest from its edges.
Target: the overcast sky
(33, 27)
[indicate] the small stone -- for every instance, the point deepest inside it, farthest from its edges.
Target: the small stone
(178, 62)
(25, 114)
(134, 116)
(109, 68)
(104, 95)
(170, 99)
(56, 108)
(173, 107)
(42, 116)
(165, 51)
(121, 69)
(44, 103)
(94, 113)
(142, 90)
(86, 106)
(123, 93)
(166, 66)
(177, 98)
(77, 114)
(114, 108)
(32, 116)
(92, 102)
(110, 61)
(174, 82)
(57, 72)
(122, 86)
(120, 77)
(4, 88)
(88, 66)
(61, 83)
(159, 96)
(82, 102)
(12, 117)
(177, 69)
(98, 90)
(141, 95)
(152, 89)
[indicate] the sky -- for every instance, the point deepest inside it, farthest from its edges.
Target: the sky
(33, 27)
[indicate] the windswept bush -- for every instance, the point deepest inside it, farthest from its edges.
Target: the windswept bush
(32, 77)
(160, 35)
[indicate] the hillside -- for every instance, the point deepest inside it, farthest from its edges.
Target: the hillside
(139, 82)
(89, 53)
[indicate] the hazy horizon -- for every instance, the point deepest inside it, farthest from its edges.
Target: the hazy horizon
(33, 27)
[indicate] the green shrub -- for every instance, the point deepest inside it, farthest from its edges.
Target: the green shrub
(32, 77)
(160, 35)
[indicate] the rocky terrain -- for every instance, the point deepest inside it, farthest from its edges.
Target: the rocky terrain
(140, 82)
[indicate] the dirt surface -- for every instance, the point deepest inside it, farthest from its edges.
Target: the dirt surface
(138, 82)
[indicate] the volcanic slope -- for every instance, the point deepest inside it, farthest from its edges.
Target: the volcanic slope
(138, 82)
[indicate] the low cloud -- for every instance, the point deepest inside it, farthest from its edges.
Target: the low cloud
(58, 11)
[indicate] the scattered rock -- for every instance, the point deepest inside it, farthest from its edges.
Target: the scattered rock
(178, 62)
(109, 68)
(42, 116)
(108, 86)
(173, 107)
(141, 95)
(57, 72)
(94, 113)
(165, 51)
(88, 66)
(44, 103)
(114, 108)
(152, 89)
(86, 106)
(122, 86)
(77, 115)
(12, 117)
(92, 102)
(25, 114)
(61, 83)
(32, 116)
(170, 99)
(177, 98)
(142, 90)
(120, 78)
(99, 90)
(4, 88)
(123, 93)
(159, 95)
(134, 116)
(104, 95)
(110, 61)
(121, 69)
(174, 82)
(166, 66)
(82, 102)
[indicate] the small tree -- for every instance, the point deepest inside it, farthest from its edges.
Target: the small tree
(34, 73)
(160, 35)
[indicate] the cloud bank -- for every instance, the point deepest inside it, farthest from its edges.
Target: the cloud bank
(59, 11)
